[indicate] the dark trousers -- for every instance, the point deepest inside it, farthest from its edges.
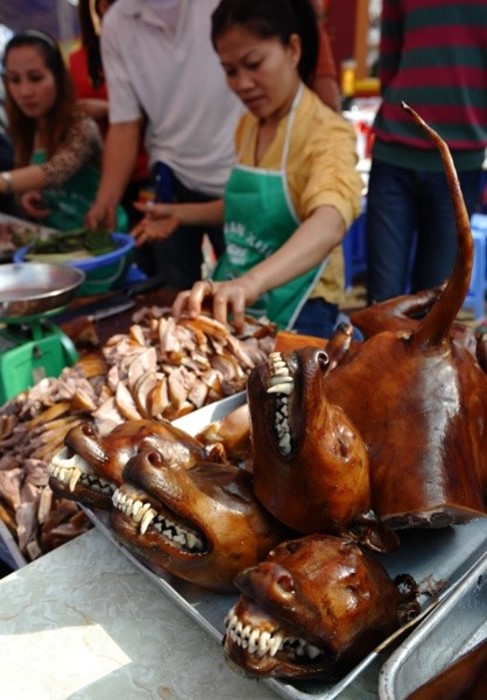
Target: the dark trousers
(410, 228)
(317, 317)
(179, 258)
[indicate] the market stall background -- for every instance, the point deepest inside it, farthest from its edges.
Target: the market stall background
(58, 17)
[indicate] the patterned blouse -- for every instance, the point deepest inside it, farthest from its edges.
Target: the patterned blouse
(82, 146)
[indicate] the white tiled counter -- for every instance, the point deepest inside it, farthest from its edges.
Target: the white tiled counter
(84, 622)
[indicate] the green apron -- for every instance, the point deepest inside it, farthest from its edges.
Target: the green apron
(70, 203)
(259, 218)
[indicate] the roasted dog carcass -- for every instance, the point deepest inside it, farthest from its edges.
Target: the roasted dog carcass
(415, 396)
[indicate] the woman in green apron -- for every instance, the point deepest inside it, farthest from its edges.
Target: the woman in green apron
(294, 191)
(57, 149)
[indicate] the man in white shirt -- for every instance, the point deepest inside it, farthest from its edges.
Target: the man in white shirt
(163, 76)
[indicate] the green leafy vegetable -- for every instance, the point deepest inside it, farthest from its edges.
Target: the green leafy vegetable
(98, 242)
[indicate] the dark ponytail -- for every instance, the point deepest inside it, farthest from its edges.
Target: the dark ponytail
(307, 28)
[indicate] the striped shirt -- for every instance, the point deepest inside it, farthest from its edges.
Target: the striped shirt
(433, 56)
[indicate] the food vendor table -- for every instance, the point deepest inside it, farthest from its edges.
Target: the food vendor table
(82, 622)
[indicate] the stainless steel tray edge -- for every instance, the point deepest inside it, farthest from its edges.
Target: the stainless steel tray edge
(457, 625)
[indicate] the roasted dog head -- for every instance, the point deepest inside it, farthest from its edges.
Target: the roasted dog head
(201, 524)
(313, 608)
(89, 468)
(311, 467)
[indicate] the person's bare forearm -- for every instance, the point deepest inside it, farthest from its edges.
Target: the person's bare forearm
(119, 156)
(204, 213)
(194, 213)
(306, 249)
(19, 180)
(120, 153)
(96, 108)
(162, 220)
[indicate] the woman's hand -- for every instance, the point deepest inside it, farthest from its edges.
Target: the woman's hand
(33, 205)
(160, 222)
(149, 230)
(227, 298)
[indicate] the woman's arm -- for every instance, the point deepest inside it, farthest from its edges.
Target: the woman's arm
(95, 107)
(20, 180)
(161, 220)
(306, 248)
(119, 156)
(82, 143)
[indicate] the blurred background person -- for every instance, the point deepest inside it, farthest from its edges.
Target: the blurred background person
(86, 68)
(295, 190)
(57, 148)
(163, 75)
(85, 63)
(324, 80)
(433, 56)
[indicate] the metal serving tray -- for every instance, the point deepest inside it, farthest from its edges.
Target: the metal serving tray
(457, 625)
(442, 555)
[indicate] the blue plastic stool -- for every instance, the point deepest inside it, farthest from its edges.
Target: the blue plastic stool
(475, 299)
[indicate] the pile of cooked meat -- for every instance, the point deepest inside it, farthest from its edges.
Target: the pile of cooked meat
(160, 369)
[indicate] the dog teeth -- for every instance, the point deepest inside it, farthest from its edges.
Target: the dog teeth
(145, 515)
(281, 383)
(262, 642)
(74, 478)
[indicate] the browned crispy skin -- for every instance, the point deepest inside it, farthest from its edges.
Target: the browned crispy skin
(327, 454)
(214, 501)
(288, 340)
(403, 313)
(422, 414)
(466, 679)
(398, 314)
(324, 590)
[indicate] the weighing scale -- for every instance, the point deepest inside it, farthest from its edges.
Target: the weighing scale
(32, 347)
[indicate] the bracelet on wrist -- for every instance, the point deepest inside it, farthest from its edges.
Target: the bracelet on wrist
(6, 178)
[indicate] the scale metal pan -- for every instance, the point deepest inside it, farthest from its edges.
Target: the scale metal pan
(29, 289)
